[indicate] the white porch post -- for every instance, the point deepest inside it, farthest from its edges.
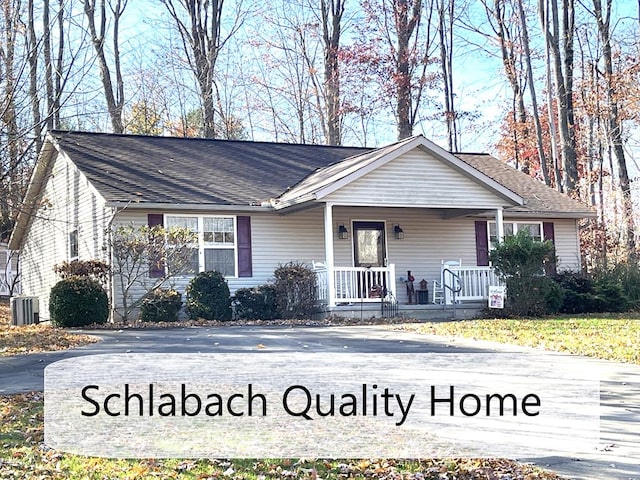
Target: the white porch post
(328, 249)
(499, 225)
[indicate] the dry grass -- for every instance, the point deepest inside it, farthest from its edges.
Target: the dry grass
(615, 337)
(35, 338)
(24, 457)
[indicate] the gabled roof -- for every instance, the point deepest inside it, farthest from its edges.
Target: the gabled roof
(540, 199)
(328, 179)
(154, 172)
(170, 170)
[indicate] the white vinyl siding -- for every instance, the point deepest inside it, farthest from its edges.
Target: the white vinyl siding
(69, 202)
(276, 239)
(567, 244)
(428, 240)
(417, 179)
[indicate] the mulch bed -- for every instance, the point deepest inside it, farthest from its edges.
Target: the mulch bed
(332, 321)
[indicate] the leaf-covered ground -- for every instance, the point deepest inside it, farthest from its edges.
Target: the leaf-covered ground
(607, 338)
(35, 338)
(23, 456)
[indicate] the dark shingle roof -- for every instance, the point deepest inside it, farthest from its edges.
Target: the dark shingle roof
(193, 171)
(190, 171)
(540, 198)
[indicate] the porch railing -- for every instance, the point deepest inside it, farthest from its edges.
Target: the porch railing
(356, 284)
(474, 282)
(322, 284)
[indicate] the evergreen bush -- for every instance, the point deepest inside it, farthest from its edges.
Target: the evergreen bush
(627, 275)
(162, 305)
(77, 302)
(520, 261)
(586, 295)
(208, 297)
(258, 303)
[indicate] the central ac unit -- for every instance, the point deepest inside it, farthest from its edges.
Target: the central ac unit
(25, 310)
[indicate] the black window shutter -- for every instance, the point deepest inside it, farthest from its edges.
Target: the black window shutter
(482, 243)
(548, 233)
(156, 268)
(245, 267)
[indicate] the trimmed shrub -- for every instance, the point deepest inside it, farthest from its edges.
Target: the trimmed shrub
(208, 297)
(258, 303)
(295, 285)
(77, 302)
(162, 305)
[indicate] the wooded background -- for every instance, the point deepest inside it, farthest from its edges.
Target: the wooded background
(549, 86)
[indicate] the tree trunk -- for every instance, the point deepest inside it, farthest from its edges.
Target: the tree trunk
(331, 13)
(32, 49)
(562, 63)
(405, 23)
(113, 97)
(11, 194)
(509, 61)
(614, 126)
(202, 42)
(445, 22)
(532, 92)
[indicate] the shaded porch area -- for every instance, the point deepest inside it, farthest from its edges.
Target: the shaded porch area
(374, 290)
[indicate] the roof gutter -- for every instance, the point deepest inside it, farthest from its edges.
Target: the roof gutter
(531, 214)
(188, 206)
(279, 205)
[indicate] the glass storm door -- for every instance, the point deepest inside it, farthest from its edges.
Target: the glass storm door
(369, 244)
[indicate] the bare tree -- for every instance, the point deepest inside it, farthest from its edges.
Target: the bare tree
(506, 30)
(406, 15)
(559, 43)
(114, 95)
(394, 49)
(331, 12)
(614, 124)
(532, 91)
(446, 9)
(11, 151)
(200, 25)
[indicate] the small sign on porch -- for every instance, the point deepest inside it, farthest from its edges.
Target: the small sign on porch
(497, 295)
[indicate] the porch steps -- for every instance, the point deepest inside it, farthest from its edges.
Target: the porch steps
(428, 312)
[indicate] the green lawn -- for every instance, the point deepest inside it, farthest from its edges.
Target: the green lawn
(610, 338)
(23, 456)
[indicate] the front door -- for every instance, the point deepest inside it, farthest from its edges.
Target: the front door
(369, 244)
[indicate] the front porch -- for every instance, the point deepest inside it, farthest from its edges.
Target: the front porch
(459, 292)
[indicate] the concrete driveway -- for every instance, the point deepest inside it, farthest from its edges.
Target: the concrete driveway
(618, 455)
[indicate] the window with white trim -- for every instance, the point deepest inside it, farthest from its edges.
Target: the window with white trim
(511, 228)
(73, 244)
(216, 246)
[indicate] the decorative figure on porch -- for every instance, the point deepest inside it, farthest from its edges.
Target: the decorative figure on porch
(409, 285)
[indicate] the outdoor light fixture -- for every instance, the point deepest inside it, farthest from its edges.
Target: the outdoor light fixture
(398, 232)
(343, 233)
